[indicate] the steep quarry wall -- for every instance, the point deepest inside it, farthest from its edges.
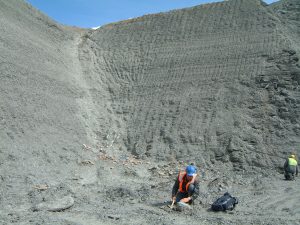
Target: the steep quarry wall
(40, 130)
(216, 82)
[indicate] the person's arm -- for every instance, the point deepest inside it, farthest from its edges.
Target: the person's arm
(285, 164)
(175, 188)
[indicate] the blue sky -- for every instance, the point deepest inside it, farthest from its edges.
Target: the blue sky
(93, 13)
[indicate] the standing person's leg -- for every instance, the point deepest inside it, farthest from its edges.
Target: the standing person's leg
(286, 176)
(289, 176)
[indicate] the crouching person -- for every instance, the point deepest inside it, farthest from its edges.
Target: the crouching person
(186, 186)
(291, 167)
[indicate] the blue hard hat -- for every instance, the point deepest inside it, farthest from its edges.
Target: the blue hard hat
(190, 170)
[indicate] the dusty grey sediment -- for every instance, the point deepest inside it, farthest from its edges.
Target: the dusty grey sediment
(107, 117)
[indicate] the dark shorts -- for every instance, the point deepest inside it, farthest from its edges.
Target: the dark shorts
(181, 195)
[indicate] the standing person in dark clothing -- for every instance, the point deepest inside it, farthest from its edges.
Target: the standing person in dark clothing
(291, 167)
(186, 186)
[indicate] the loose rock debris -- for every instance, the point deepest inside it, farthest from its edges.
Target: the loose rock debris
(41, 187)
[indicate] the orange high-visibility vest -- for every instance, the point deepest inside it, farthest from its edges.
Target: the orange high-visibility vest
(181, 179)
